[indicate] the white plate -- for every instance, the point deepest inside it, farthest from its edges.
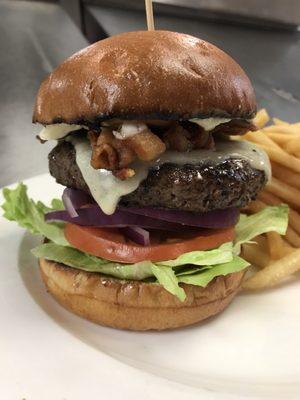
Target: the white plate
(250, 351)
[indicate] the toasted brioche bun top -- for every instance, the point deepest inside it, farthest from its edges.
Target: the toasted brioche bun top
(145, 75)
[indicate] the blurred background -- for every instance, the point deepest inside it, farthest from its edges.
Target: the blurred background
(35, 36)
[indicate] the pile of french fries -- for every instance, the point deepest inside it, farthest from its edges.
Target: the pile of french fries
(275, 257)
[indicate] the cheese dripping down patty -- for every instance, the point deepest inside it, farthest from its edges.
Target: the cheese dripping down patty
(107, 190)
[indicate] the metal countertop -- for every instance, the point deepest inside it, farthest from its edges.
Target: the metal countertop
(34, 38)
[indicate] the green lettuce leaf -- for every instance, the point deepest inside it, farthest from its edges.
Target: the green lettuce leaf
(192, 270)
(273, 219)
(167, 278)
(57, 204)
(30, 215)
(86, 262)
(216, 256)
(205, 276)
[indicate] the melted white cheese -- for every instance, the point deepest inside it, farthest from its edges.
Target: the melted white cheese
(58, 131)
(129, 128)
(225, 150)
(107, 189)
(208, 124)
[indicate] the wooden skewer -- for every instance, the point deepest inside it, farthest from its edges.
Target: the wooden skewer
(149, 15)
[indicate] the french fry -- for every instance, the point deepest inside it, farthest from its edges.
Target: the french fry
(278, 121)
(288, 249)
(286, 175)
(254, 255)
(277, 256)
(283, 129)
(293, 145)
(261, 118)
(294, 220)
(262, 139)
(285, 192)
(269, 198)
(288, 129)
(275, 245)
(255, 206)
(279, 138)
(296, 128)
(261, 241)
(274, 273)
(292, 237)
(282, 157)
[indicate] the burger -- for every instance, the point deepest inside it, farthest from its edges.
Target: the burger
(149, 231)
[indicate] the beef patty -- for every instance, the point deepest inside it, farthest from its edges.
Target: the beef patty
(198, 188)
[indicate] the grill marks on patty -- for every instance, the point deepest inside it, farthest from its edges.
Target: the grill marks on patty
(198, 188)
(233, 183)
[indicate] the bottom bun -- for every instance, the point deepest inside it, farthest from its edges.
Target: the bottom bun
(135, 305)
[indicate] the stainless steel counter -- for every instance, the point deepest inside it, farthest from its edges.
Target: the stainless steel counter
(34, 38)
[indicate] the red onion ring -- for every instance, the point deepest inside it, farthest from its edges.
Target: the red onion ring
(137, 235)
(74, 199)
(215, 219)
(93, 216)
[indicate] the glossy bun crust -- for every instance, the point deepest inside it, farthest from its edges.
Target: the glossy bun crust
(145, 75)
(135, 305)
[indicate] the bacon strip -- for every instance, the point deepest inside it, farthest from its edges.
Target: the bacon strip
(235, 127)
(116, 155)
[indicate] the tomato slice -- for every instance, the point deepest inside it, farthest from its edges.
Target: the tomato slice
(111, 245)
